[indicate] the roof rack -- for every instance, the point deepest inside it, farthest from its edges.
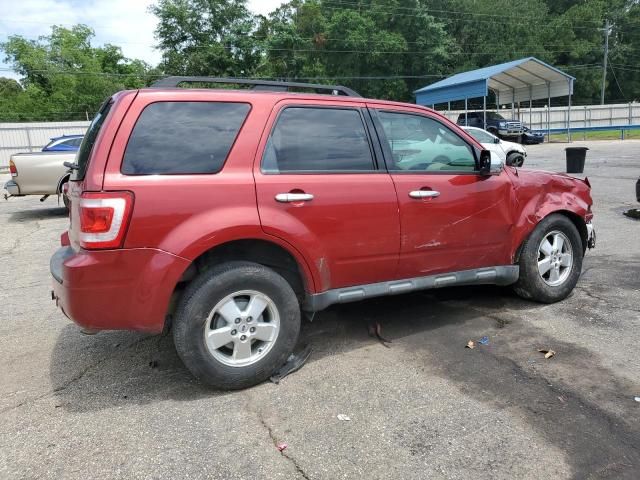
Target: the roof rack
(266, 85)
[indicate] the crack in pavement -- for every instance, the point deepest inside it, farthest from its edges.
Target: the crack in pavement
(608, 302)
(273, 438)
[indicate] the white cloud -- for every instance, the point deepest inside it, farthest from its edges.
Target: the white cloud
(126, 23)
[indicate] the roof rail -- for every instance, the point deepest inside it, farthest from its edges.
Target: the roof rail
(269, 85)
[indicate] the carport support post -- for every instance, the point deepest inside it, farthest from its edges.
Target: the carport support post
(548, 112)
(530, 106)
(484, 110)
(466, 122)
(569, 111)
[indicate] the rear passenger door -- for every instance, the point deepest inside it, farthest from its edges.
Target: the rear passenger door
(322, 187)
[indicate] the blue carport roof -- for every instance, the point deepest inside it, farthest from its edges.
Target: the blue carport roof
(515, 81)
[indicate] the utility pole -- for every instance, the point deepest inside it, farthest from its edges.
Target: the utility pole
(607, 31)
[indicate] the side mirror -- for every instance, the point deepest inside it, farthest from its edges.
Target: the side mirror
(496, 140)
(490, 163)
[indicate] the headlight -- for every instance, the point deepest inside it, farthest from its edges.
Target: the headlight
(502, 124)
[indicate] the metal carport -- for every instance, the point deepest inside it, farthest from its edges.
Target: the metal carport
(511, 82)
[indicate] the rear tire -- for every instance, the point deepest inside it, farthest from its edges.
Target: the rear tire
(550, 261)
(236, 324)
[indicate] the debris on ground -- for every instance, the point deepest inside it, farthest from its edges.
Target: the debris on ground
(484, 340)
(343, 418)
(633, 213)
(294, 363)
(470, 344)
(547, 353)
(281, 446)
(375, 330)
(637, 399)
(153, 364)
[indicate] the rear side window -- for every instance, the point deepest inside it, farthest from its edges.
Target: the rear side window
(307, 139)
(183, 137)
(88, 141)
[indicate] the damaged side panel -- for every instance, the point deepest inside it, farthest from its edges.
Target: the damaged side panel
(539, 194)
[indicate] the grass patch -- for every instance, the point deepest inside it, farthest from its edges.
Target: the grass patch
(597, 135)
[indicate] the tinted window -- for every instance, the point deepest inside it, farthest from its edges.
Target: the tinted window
(482, 137)
(89, 139)
(423, 144)
(494, 116)
(318, 139)
(183, 137)
(75, 142)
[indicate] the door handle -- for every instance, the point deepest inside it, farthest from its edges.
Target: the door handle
(293, 197)
(424, 194)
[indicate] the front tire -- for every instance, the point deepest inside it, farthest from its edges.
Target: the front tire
(550, 261)
(515, 159)
(236, 324)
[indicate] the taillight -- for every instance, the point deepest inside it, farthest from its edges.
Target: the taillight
(104, 218)
(12, 169)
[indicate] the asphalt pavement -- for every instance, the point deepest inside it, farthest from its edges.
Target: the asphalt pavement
(121, 404)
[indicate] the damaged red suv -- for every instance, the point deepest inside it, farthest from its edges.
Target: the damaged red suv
(223, 214)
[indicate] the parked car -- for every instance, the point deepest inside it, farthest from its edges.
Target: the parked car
(65, 143)
(496, 124)
(511, 153)
(40, 173)
(222, 215)
(529, 137)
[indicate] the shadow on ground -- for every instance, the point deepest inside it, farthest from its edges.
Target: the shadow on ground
(37, 214)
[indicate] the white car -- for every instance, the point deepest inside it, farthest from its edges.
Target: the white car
(509, 152)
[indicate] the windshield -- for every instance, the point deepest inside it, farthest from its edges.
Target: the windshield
(494, 116)
(84, 153)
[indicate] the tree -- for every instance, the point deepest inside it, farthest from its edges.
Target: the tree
(206, 37)
(362, 44)
(64, 77)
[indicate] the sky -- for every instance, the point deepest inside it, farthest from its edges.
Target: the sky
(126, 23)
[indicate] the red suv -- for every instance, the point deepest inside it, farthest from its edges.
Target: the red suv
(223, 214)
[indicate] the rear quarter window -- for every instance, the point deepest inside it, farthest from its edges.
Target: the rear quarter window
(183, 137)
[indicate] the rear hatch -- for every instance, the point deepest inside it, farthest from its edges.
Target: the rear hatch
(93, 212)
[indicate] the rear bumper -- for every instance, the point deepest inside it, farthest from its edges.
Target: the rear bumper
(12, 187)
(127, 289)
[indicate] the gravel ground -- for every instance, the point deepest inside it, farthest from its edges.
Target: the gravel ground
(75, 406)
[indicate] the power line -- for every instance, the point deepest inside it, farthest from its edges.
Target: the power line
(428, 10)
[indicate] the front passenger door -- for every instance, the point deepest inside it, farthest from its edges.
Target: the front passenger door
(451, 217)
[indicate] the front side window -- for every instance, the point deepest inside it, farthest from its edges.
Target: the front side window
(308, 139)
(183, 137)
(423, 144)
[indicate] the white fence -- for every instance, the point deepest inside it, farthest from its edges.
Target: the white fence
(31, 137)
(581, 116)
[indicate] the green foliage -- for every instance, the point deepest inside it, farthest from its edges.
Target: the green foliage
(64, 77)
(198, 37)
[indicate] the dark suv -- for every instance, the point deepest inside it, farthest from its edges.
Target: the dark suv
(496, 124)
(223, 214)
